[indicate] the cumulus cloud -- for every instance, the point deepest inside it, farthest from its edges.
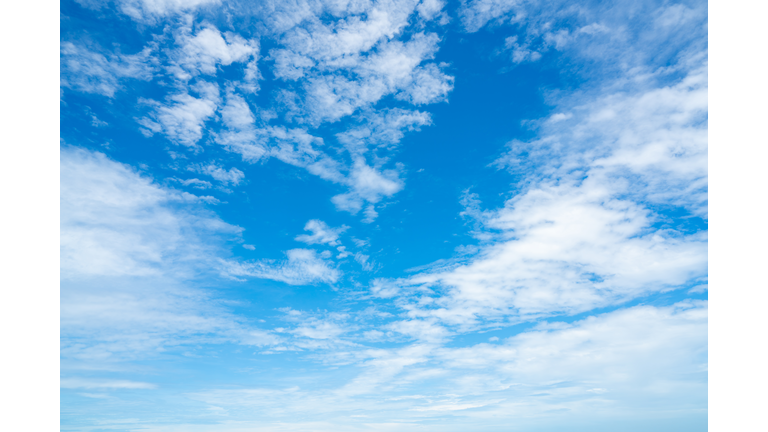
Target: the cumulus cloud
(393, 68)
(321, 233)
(302, 267)
(342, 67)
(182, 116)
(201, 53)
(367, 184)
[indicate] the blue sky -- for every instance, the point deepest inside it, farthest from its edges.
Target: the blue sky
(402, 215)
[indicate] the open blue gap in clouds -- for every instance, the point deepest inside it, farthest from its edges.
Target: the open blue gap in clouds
(404, 215)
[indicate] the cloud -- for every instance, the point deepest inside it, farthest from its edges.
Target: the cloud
(320, 329)
(342, 67)
(565, 249)
(586, 227)
(382, 129)
(321, 233)
(79, 383)
(367, 184)
(92, 72)
(130, 253)
(233, 176)
(182, 117)
(195, 183)
(302, 267)
(658, 134)
(638, 349)
(201, 53)
(362, 259)
(115, 222)
(606, 40)
(393, 68)
(151, 10)
(647, 359)
(241, 134)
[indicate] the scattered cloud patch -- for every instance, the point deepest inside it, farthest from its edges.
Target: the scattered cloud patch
(303, 267)
(321, 234)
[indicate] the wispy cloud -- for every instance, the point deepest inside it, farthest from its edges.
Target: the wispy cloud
(303, 266)
(129, 251)
(94, 72)
(90, 384)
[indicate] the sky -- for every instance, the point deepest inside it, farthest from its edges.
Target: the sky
(383, 216)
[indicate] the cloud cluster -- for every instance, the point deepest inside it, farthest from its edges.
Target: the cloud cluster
(203, 52)
(324, 71)
(115, 222)
(582, 234)
(587, 226)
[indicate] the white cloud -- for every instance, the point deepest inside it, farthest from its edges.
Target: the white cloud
(150, 10)
(242, 136)
(80, 383)
(233, 176)
(115, 222)
(382, 129)
(427, 85)
(393, 68)
(572, 249)
(367, 184)
(92, 72)
(520, 53)
(321, 233)
(428, 331)
(645, 359)
(302, 267)
(581, 233)
(641, 349)
(181, 119)
(201, 53)
(319, 329)
(130, 250)
(343, 66)
(195, 183)
(603, 38)
(343, 253)
(658, 134)
(362, 259)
